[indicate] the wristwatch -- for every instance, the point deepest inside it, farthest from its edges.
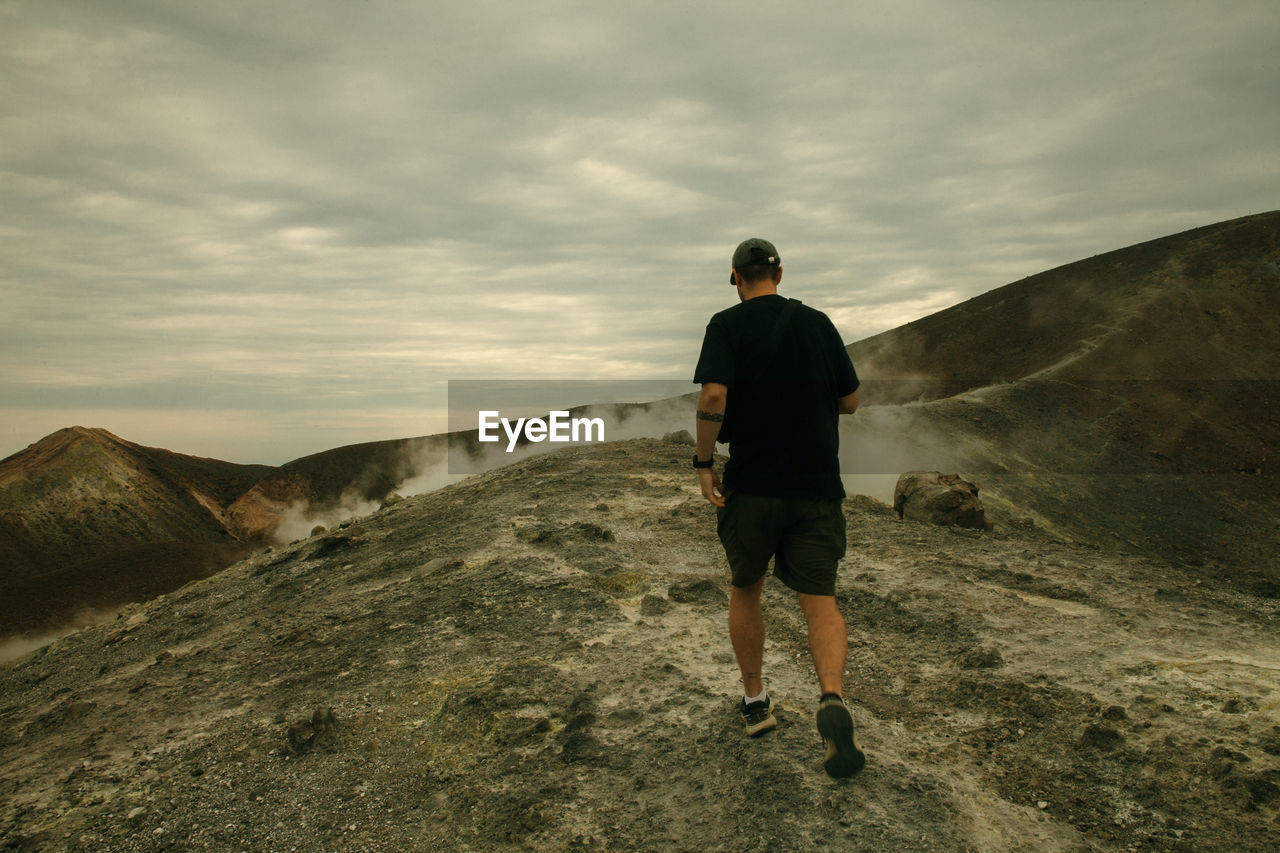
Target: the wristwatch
(708, 464)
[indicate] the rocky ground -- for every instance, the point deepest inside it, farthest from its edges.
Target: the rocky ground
(536, 659)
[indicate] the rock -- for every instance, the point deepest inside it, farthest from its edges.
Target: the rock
(680, 436)
(560, 534)
(1100, 737)
(390, 500)
(330, 544)
(654, 605)
(983, 658)
(621, 584)
(938, 498)
(305, 734)
(593, 532)
(1114, 712)
(318, 529)
(702, 591)
(1270, 742)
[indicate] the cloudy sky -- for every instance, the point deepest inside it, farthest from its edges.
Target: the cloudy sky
(255, 230)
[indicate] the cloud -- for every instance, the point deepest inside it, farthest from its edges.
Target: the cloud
(294, 205)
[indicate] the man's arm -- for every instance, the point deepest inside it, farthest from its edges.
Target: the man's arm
(848, 403)
(711, 403)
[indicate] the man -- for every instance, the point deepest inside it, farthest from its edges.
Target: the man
(775, 377)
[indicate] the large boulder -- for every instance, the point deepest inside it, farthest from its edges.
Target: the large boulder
(939, 498)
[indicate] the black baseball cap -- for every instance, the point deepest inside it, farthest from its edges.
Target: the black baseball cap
(755, 253)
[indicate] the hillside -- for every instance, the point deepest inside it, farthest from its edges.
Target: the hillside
(1202, 305)
(82, 498)
(1131, 398)
(535, 659)
(333, 485)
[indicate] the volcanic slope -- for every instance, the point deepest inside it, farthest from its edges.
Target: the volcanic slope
(333, 484)
(1133, 397)
(89, 520)
(535, 658)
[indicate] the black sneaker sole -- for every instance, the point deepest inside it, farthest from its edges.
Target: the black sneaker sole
(844, 758)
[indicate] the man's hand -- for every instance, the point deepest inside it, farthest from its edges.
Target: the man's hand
(711, 488)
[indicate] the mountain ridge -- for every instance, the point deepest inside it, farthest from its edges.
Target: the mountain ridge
(1045, 318)
(83, 498)
(1072, 373)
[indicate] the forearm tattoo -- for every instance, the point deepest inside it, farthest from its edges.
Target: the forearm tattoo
(718, 417)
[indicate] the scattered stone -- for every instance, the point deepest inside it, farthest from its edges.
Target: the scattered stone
(518, 731)
(136, 813)
(680, 436)
(702, 591)
(938, 498)
(654, 605)
(1042, 804)
(593, 532)
(330, 544)
(1115, 712)
(987, 657)
(540, 535)
(1101, 737)
(1266, 589)
(622, 584)
(305, 734)
(558, 534)
(1270, 742)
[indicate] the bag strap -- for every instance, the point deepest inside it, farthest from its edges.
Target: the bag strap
(779, 326)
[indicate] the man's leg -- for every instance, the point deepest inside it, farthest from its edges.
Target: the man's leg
(746, 632)
(828, 642)
(829, 645)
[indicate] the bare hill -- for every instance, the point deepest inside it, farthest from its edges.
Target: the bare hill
(341, 481)
(1133, 397)
(1200, 305)
(536, 659)
(81, 497)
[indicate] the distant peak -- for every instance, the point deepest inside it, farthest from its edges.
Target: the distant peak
(91, 433)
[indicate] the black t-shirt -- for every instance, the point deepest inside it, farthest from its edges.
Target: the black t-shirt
(782, 414)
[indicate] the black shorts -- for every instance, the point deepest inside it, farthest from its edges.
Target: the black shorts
(806, 538)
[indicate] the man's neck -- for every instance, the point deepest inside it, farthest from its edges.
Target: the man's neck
(761, 288)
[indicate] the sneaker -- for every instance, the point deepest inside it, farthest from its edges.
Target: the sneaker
(758, 716)
(844, 757)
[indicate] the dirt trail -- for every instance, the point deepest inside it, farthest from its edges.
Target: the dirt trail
(535, 659)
